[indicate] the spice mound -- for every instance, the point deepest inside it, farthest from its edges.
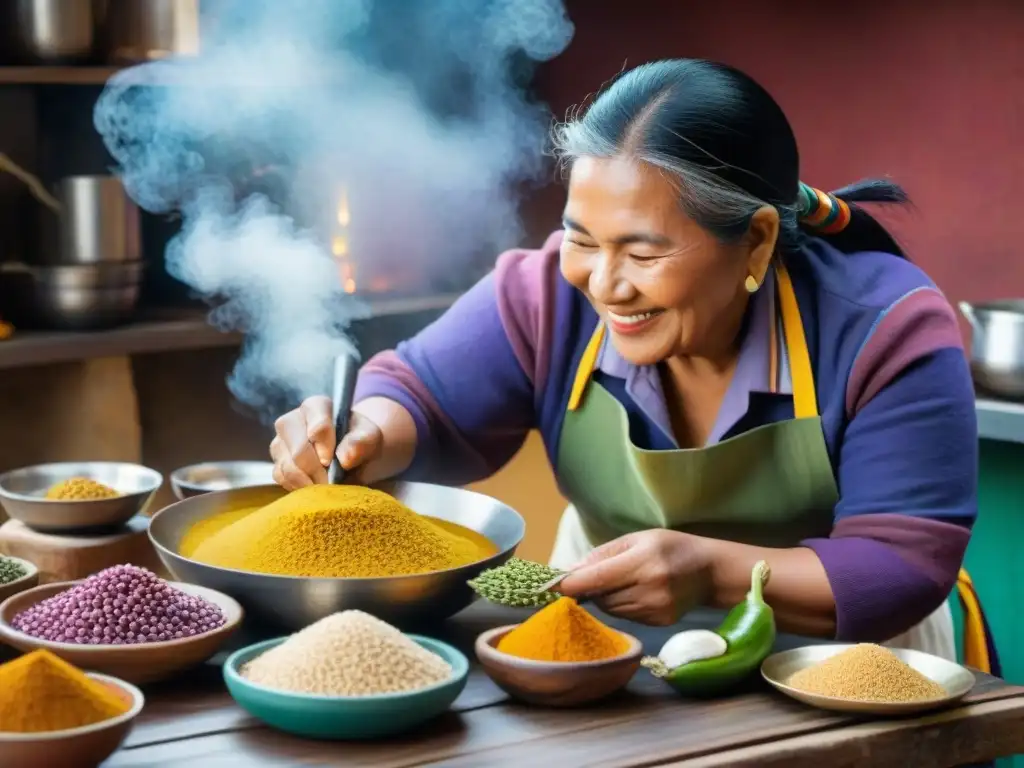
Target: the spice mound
(348, 654)
(80, 489)
(40, 692)
(122, 605)
(515, 583)
(10, 570)
(563, 631)
(867, 672)
(337, 531)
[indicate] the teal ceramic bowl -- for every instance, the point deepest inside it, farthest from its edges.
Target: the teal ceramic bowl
(345, 717)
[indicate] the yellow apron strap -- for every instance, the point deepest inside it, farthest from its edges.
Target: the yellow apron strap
(586, 367)
(805, 401)
(975, 645)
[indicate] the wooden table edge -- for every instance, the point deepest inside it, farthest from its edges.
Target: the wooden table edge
(977, 726)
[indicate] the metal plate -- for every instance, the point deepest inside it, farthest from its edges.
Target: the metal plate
(956, 679)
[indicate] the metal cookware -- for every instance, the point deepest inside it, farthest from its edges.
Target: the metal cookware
(97, 223)
(145, 30)
(70, 296)
(220, 476)
(293, 602)
(22, 494)
(51, 31)
(778, 668)
(997, 346)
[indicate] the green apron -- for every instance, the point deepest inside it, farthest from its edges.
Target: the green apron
(772, 486)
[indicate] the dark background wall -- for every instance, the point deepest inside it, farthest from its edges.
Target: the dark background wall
(930, 93)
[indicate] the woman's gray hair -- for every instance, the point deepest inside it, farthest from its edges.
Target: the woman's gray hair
(720, 206)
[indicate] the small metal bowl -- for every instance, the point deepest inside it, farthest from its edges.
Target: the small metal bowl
(220, 476)
(957, 680)
(23, 491)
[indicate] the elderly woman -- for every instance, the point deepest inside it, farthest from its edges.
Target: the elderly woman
(726, 365)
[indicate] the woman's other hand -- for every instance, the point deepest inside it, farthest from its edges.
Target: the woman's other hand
(652, 577)
(305, 443)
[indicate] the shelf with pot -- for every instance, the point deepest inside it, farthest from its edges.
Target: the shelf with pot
(164, 330)
(86, 42)
(997, 366)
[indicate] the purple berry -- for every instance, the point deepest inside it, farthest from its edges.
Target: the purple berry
(118, 606)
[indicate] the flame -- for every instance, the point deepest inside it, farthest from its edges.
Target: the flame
(344, 216)
(348, 277)
(339, 246)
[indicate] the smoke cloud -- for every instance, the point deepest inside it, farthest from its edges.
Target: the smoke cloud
(412, 113)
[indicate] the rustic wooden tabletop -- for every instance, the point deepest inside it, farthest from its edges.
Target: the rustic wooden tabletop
(193, 722)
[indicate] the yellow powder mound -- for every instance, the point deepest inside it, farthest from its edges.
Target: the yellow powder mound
(204, 529)
(80, 489)
(40, 692)
(867, 672)
(336, 531)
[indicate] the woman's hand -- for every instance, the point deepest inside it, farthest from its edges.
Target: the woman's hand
(305, 443)
(652, 577)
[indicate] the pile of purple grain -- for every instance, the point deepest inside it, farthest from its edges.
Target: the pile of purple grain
(122, 605)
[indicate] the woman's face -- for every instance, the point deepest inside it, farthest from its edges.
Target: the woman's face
(663, 285)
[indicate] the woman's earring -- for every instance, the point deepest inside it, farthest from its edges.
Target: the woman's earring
(751, 284)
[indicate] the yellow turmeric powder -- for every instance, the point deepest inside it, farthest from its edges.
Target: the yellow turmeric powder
(343, 531)
(563, 631)
(80, 489)
(204, 529)
(40, 692)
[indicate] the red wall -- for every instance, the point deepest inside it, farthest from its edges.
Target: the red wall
(933, 98)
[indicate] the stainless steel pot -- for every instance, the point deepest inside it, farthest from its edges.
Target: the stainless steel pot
(997, 346)
(98, 223)
(72, 297)
(144, 30)
(51, 31)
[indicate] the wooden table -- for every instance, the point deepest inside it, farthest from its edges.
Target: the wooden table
(193, 723)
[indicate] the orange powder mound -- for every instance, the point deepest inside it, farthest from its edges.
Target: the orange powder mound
(563, 631)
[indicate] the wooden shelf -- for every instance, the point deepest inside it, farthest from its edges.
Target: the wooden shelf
(161, 331)
(56, 75)
(178, 74)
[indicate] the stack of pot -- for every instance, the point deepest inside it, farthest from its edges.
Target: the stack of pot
(89, 31)
(85, 270)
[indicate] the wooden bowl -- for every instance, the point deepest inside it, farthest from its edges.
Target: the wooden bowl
(142, 663)
(556, 683)
(84, 747)
(29, 580)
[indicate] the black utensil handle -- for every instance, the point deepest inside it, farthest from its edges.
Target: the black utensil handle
(346, 370)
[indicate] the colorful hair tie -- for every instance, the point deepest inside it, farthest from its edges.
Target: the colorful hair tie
(822, 211)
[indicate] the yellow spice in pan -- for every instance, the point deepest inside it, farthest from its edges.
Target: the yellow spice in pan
(80, 489)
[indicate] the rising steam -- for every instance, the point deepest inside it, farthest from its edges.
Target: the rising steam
(409, 108)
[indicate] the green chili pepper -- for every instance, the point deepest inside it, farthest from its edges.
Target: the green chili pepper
(749, 634)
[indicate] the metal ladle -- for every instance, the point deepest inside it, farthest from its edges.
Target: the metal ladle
(346, 370)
